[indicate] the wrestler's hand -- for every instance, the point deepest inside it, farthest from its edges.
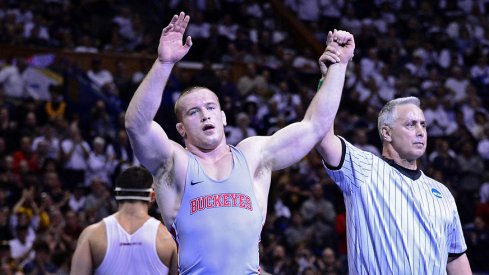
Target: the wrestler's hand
(171, 48)
(344, 43)
(329, 56)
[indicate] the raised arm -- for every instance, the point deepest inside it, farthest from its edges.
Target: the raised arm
(330, 147)
(292, 143)
(150, 143)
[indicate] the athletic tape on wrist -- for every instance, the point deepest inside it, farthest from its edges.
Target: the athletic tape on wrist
(320, 83)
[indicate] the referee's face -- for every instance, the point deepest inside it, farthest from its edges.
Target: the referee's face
(409, 132)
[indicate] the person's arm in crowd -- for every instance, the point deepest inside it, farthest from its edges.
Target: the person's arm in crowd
(26, 197)
(85, 149)
(330, 147)
(64, 201)
(459, 265)
(19, 203)
(66, 156)
(63, 156)
(21, 258)
(291, 143)
(151, 145)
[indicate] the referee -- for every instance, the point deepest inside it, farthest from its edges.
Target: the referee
(399, 221)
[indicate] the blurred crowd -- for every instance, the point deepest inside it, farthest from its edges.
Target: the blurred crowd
(57, 167)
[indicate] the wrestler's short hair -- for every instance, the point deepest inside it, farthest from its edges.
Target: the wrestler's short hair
(185, 92)
(134, 183)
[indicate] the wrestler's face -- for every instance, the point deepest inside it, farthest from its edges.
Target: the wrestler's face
(202, 120)
(408, 134)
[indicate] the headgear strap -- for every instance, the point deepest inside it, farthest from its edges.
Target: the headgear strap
(120, 189)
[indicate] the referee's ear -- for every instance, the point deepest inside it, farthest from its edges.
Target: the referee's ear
(385, 132)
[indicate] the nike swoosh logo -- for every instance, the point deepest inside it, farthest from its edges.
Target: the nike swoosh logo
(195, 182)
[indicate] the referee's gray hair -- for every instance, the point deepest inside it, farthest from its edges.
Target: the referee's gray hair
(388, 115)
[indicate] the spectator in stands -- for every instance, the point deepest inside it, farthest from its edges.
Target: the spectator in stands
(86, 45)
(123, 82)
(200, 31)
(280, 263)
(6, 232)
(250, 80)
(116, 44)
(436, 118)
(54, 190)
(304, 261)
(483, 147)
(99, 163)
(26, 157)
(74, 152)
(50, 138)
(101, 122)
(287, 100)
(296, 233)
(72, 228)
(41, 264)
(28, 212)
(99, 203)
(304, 62)
(29, 126)
(56, 106)
(78, 198)
(444, 159)
(319, 216)
(478, 242)
(481, 124)
(227, 28)
(99, 76)
(240, 131)
(479, 72)
(21, 245)
(360, 140)
(13, 80)
(482, 206)
(470, 106)
(457, 83)
(328, 264)
(128, 26)
(471, 167)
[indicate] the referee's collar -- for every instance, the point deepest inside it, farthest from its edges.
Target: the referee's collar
(412, 174)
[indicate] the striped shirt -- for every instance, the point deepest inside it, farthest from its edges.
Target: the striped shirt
(399, 221)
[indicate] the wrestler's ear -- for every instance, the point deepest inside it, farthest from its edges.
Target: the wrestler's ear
(385, 131)
(224, 120)
(181, 129)
(152, 196)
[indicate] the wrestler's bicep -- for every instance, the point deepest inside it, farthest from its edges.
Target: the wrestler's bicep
(153, 147)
